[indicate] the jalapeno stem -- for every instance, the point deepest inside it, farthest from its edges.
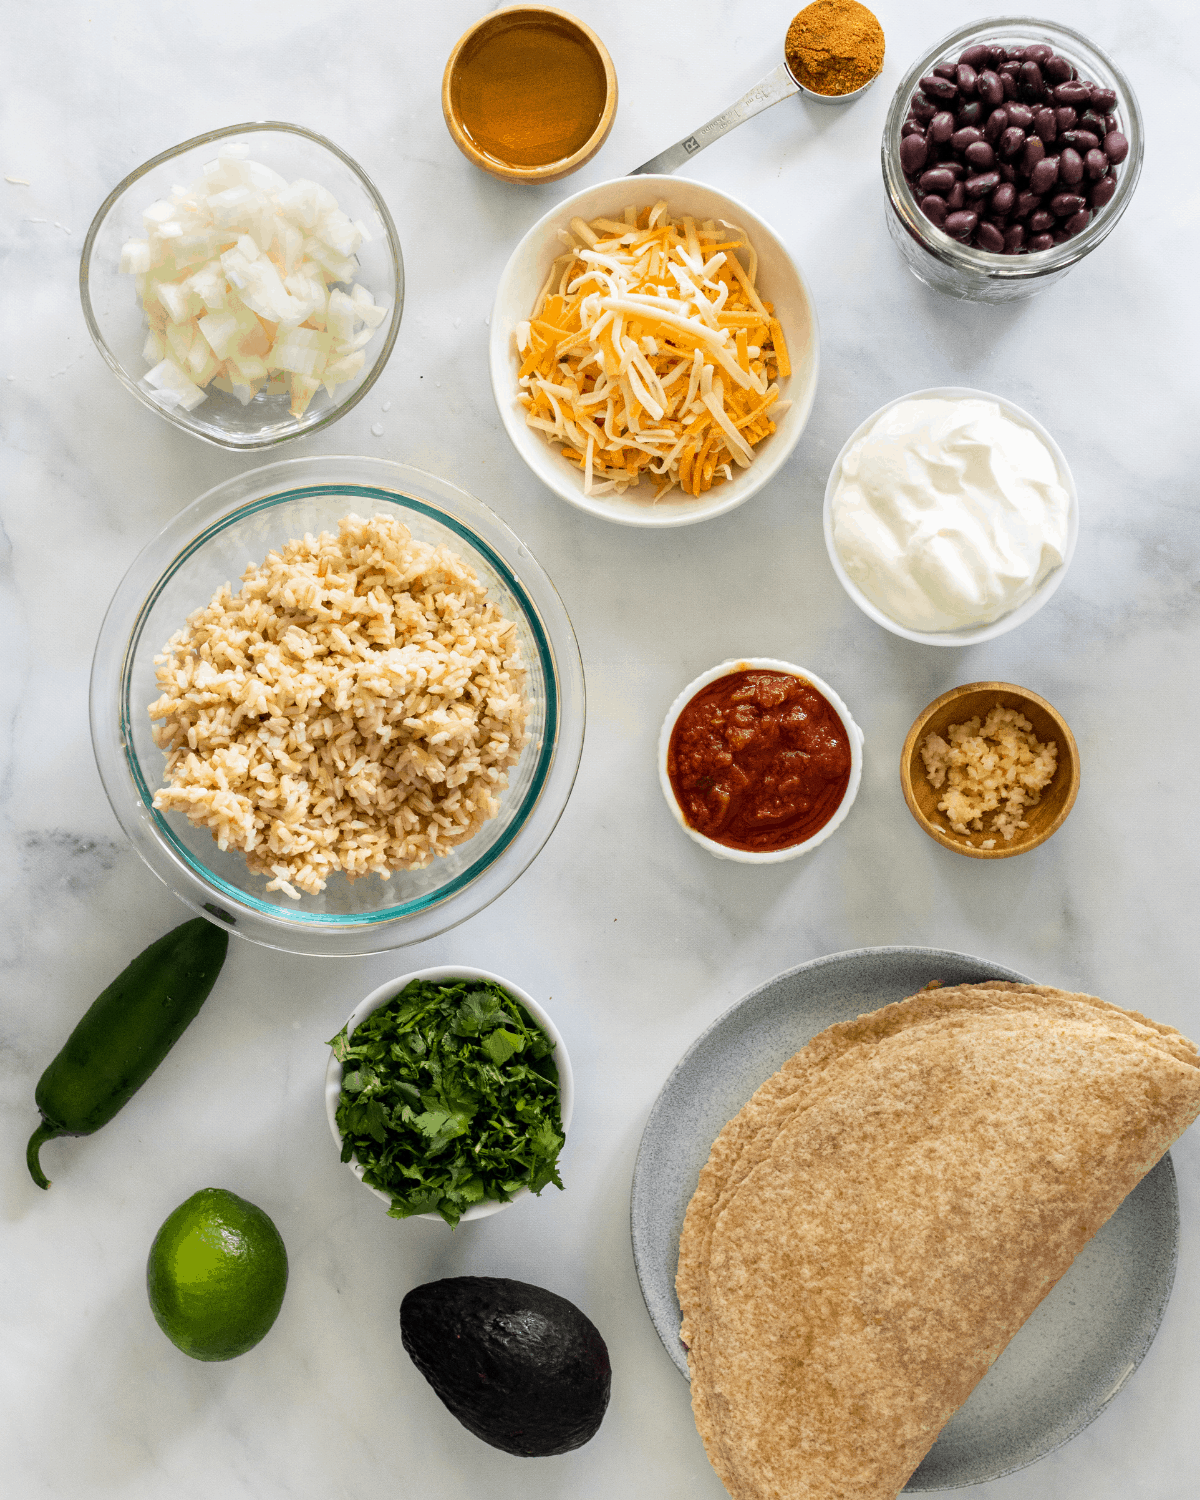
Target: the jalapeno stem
(45, 1132)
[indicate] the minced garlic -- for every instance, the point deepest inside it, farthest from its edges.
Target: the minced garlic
(997, 768)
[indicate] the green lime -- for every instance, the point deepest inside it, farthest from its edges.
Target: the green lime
(216, 1275)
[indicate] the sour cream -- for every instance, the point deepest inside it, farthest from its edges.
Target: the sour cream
(949, 513)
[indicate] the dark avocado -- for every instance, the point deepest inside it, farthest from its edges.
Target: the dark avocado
(519, 1367)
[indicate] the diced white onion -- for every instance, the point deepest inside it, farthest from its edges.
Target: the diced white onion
(170, 387)
(135, 257)
(236, 280)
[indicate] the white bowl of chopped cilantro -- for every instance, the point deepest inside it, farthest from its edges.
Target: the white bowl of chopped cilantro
(449, 1093)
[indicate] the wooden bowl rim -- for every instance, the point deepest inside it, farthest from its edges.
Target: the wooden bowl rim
(952, 841)
(553, 170)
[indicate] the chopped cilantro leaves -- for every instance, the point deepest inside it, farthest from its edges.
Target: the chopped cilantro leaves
(450, 1096)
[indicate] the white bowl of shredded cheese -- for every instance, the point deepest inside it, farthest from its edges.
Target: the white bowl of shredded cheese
(686, 369)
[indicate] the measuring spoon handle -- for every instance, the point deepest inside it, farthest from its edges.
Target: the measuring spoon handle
(777, 85)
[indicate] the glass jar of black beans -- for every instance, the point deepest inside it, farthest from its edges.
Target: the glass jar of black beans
(1010, 151)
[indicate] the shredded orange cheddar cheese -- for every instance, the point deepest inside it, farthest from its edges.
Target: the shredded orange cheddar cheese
(650, 351)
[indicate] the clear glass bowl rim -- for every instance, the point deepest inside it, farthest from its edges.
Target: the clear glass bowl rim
(966, 258)
(109, 708)
(208, 138)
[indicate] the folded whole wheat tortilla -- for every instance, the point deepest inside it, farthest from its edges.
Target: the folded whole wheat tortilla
(888, 1209)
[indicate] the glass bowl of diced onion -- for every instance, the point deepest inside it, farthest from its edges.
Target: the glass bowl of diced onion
(247, 285)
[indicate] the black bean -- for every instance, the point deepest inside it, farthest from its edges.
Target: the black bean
(1009, 149)
(1035, 150)
(1011, 141)
(914, 152)
(1102, 191)
(1070, 167)
(1044, 175)
(1071, 92)
(1004, 198)
(1045, 124)
(942, 88)
(1096, 164)
(1083, 140)
(989, 238)
(936, 180)
(934, 208)
(1032, 85)
(989, 88)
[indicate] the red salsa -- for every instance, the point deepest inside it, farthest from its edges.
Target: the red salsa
(758, 760)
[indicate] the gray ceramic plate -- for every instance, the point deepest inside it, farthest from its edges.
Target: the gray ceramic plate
(1081, 1345)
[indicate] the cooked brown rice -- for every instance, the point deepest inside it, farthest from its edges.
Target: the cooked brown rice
(354, 706)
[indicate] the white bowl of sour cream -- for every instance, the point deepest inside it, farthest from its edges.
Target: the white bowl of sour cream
(950, 516)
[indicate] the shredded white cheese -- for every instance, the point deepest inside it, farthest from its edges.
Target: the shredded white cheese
(649, 350)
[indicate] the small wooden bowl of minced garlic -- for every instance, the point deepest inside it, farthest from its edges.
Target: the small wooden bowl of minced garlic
(990, 770)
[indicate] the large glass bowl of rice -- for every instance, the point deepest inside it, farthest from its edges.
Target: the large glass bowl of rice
(337, 706)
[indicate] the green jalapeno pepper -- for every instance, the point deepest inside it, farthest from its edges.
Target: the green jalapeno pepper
(125, 1034)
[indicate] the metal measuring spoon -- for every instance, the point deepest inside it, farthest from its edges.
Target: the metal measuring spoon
(779, 84)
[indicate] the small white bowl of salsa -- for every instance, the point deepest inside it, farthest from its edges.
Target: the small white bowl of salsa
(759, 760)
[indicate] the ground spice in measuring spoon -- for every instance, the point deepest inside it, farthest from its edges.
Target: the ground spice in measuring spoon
(530, 93)
(834, 47)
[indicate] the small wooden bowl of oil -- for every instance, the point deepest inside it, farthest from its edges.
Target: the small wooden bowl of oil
(529, 94)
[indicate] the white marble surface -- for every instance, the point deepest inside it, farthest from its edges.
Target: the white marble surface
(635, 937)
